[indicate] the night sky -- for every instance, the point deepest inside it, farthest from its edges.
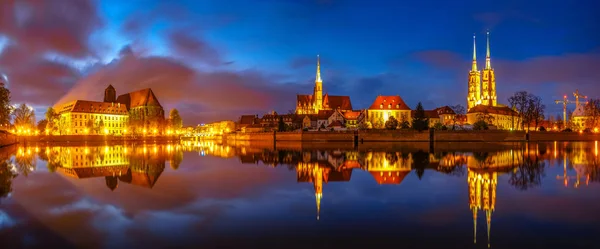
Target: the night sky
(219, 59)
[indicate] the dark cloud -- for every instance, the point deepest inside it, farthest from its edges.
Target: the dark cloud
(34, 79)
(440, 59)
(200, 96)
(62, 26)
(185, 45)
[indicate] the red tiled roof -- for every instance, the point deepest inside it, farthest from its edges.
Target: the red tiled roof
(335, 102)
(95, 107)
(352, 115)
(389, 103)
(144, 97)
(444, 110)
(336, 123)
(389, 177)
(501, 110)
(247, 119)
(304, 99)
(324, 114)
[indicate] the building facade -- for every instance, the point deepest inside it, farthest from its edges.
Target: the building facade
(482, 98)
(82, 117)
(312, 104)
(385, 107)
(145, 112)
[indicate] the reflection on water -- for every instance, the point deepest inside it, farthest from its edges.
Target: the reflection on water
(524, 166)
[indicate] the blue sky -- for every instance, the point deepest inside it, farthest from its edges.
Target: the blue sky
(227, 58)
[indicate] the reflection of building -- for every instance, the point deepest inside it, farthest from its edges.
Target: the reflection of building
(312, 104)
(317, 173)
(388, 168)
(137, 165)
(482, 196)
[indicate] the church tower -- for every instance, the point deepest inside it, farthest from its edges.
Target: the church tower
(110, 94)
(489, 79)
(318, 93)
(474, 95)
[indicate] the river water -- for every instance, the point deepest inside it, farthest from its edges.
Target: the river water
(206, 195)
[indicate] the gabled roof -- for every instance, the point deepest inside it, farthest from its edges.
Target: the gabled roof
(324, 114)
(336, 123)
(144, 97)
(389, 177)
(94, 107)
(304, 99)
(389, 103)
(351, 115)
(335, 102)
(247, 119)
(444, 110)
(500, 110)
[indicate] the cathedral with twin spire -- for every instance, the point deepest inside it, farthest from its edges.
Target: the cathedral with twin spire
(482, 101)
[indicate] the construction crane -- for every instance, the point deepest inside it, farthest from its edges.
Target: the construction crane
(577, 96)
(564, 101)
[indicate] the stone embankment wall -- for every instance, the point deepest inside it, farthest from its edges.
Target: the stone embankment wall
(95, 138)
(7, 139)
(412, 136)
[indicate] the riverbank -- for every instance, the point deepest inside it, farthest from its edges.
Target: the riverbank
(412, 136)
(7, 139)
(95, 139)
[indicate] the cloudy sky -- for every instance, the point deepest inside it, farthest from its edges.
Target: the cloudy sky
(218, 59)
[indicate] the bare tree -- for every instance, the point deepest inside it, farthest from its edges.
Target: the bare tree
(535, 111)
(459, 112)
(592, 113)
(520, 101)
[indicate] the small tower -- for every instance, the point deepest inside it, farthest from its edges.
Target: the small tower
(318, 92)
(474, 94)
(489, 79)
(110, 94)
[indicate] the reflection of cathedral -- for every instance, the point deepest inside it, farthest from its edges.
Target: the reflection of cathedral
(482, 196)
(317, 174)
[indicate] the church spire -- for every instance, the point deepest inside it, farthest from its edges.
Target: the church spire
(318, 69)
(318, 197)
(488, 64)
(474, 225)
(488, 217)
(474, 66)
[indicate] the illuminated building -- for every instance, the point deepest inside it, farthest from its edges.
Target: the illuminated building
(579, 116)
(214, 129)
(482, 196)
(81, 117)
(388, 168)
(312, 104)
(474, 94)
(144, 109)
(488, 80)
(481, 97)
(385, 107)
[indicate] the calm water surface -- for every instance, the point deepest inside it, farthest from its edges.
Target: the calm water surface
(205, 195)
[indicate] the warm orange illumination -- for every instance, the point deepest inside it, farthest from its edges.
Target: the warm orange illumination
(596, 130)
(124, 131)
(155, 131)
(144, 131)
(105, 131)
(86, 131)
(580, 131)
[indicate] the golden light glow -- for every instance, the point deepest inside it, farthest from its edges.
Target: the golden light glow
(144, 131)
(124, 131)
(596, 130)
(155, 131)
(86, 131)
(105, 131)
